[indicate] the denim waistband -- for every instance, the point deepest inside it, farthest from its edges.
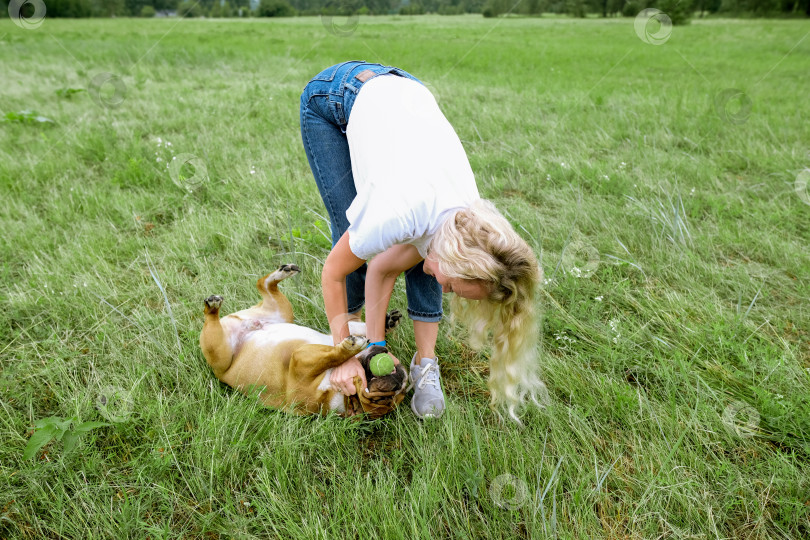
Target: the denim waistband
(341, 84)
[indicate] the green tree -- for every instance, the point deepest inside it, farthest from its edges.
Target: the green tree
(679, 11)
(575, 8)
(534, 7)
(221, 9)
(69, 8)
(631, 8)
(275, 8)
(189, 8)
(496, 8)
(109, 8)
(134, 7)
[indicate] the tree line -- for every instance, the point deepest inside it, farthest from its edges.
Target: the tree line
(680, 11)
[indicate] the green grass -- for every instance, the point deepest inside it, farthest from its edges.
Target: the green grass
(675, 337)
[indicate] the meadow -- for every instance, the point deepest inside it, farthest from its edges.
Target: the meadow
(661, 178)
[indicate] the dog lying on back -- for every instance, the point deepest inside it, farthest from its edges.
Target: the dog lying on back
(261, 348)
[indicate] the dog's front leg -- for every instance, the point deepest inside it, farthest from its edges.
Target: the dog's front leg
(309, 361)
(306, 371)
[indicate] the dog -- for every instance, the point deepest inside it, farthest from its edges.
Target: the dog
(261, 348)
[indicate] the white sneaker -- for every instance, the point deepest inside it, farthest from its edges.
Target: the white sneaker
(428, 399)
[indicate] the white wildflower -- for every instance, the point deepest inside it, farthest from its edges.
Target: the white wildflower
(614, 327)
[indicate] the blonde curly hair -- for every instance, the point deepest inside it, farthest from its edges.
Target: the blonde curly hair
(480, 244)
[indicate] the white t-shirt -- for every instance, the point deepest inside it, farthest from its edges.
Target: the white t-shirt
(409, 167)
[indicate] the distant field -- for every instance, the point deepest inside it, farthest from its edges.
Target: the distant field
(662, 186)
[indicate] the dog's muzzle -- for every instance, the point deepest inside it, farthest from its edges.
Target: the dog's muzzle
(373, 404)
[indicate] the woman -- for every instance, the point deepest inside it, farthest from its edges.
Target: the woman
(401, 196)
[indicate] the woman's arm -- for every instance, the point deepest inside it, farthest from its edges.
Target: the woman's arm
(339, 263)
(380, 278)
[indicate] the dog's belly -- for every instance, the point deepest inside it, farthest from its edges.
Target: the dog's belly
(263, 357)
(270, 336)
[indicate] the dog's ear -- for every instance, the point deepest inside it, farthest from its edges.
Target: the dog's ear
(402, 373)
(351, 406)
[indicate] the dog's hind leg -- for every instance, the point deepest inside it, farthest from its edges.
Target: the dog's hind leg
(213, 340)
(272, 298)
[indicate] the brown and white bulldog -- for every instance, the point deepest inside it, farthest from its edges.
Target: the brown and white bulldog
(261, 349)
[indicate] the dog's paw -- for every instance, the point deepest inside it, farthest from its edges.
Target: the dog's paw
(392, 320)
(284, 271)
(270, 281)
(213, 303)
(354, 344)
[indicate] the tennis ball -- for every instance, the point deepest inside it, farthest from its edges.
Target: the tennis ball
(381, 364)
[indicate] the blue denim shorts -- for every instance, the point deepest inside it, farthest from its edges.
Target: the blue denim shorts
(326, 105)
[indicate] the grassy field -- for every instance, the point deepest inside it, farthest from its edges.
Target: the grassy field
(661, 186)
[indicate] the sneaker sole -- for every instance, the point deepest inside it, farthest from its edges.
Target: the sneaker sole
(426, 415)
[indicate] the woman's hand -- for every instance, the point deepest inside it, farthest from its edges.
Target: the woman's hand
(343, 376)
